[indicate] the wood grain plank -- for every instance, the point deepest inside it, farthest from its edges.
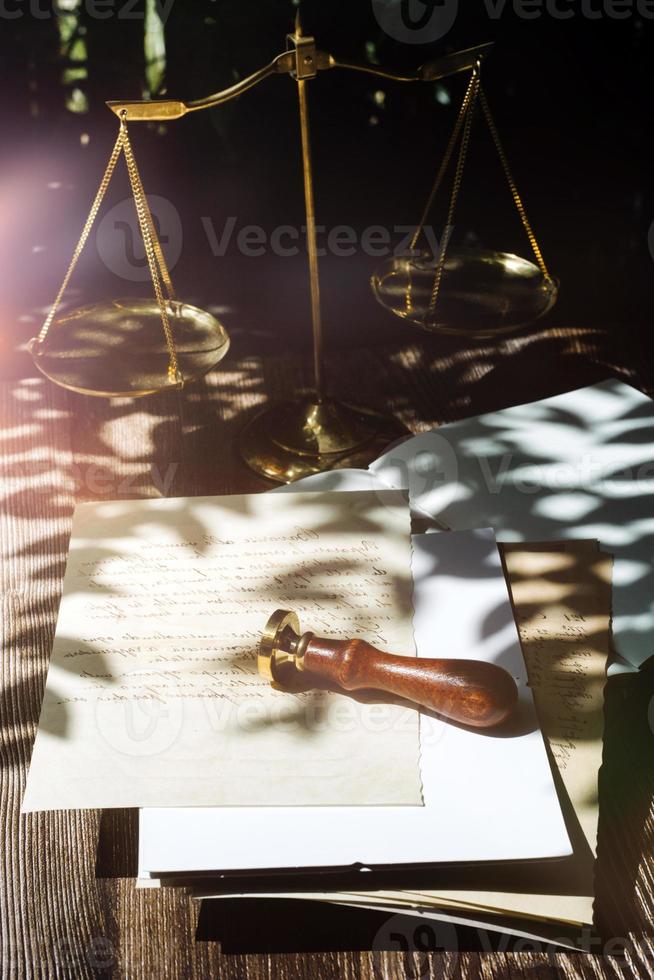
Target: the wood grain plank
(56, 918)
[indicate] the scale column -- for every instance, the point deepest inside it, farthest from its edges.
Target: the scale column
(312, 433)
(312, 241)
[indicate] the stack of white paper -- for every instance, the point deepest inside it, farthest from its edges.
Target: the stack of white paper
(488, 796)
(570, 468)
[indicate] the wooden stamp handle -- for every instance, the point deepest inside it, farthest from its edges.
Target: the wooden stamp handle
(471, 692)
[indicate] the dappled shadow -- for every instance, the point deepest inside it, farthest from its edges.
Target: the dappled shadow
(92, 592)
(198, 443)
(60, 447)
(573, 876)
(563, 469)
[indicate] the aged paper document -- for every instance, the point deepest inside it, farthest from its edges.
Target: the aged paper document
(462, 611)
(153, 697)
(562, 601)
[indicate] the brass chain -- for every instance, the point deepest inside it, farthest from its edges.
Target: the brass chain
(139, 194)
(154, 253)
(469, 107)
(512, 185)
(464, 120)
(445, 162)
(99, 197)
(437, 183)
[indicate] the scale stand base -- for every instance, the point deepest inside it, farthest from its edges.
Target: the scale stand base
(311, 435)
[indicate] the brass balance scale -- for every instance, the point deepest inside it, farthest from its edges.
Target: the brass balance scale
(132, 348)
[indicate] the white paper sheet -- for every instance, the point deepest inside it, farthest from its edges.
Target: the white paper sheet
(576, 466)
(562, 601)
(487, 797)
(153, 695)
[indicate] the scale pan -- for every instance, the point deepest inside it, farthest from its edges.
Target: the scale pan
(482, 292)
(118, 349)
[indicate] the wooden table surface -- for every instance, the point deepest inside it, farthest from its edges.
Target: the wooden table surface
(68, 906)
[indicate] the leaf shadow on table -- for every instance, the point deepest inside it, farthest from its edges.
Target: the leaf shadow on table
(194, 430)
(60, 448)
(624, 816)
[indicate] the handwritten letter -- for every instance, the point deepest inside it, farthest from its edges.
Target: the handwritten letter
(153, 696)
(562, 599)
(563, 606)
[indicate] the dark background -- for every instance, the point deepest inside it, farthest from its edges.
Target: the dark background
(572, 99)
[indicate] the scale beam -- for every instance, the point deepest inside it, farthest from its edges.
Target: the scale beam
(313, 433)
(303, 62)
(450, 64)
